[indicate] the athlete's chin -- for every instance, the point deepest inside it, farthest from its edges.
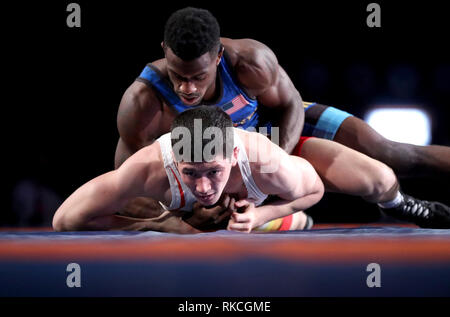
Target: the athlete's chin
(214, 201)
(195, 101)
(208, 200)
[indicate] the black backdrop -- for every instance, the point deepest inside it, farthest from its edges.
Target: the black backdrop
(62, 86)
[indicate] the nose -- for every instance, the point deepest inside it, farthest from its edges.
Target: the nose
(202, 185)
(188, 87)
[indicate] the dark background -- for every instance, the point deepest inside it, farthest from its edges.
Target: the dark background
(62, 86)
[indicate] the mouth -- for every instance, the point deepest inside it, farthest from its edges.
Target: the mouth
(189, 100)
(205, 197)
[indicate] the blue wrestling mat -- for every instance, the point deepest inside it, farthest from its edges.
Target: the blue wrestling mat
(330, 262)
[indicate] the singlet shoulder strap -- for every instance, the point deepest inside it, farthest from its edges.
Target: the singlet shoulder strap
(152, 76)
(229, 71)
(182, 198)
(254, 193)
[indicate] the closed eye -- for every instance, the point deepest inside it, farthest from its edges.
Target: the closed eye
(200, 78)
(180, 77)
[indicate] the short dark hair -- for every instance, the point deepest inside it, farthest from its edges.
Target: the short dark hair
(192, 32)
(215, 122)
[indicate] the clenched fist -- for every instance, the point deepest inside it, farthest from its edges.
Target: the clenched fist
(211, 217)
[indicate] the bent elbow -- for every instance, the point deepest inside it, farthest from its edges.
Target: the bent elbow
(320, 186)
(57, 223)
(318, 191)
(62, 223)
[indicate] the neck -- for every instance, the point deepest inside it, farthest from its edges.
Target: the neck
(213, 92)
(235, 185)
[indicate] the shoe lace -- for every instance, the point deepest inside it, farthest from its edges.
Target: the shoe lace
(417, 209)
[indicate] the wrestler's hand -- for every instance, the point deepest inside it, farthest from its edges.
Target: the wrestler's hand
(170, 222)
(142, 207)
(245, 219)
(206, 218)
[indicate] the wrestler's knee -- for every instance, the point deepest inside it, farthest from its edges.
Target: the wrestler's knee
(380, 180)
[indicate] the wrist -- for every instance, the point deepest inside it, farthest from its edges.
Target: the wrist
(271, 212)
(263, 215)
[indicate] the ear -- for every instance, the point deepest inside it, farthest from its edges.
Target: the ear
(234, 157)
(163, 47)
(219, 56)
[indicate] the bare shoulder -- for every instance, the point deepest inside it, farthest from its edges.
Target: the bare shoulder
(147, 156)
(139, 99)
(247, 51)
(147, 167)
(261, 152)
(273, 170)
(140, 105)
(255, 64)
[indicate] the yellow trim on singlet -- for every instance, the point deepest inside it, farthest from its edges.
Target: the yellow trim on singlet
(307, 104)
(243, 121)
(272, 225)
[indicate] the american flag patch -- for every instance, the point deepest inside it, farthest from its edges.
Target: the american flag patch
(236, 104)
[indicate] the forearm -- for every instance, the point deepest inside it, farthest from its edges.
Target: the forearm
(87, 203)
(281, 208)
(291, 124)
(124, 223)
(166, 222)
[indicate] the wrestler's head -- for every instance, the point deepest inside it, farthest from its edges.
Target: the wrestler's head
(203, 147)
(193, 51)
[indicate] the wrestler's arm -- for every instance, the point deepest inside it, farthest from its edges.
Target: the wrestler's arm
(137, 109)
(265, 79)
(94, 204)
(297, 185)
(291, 178)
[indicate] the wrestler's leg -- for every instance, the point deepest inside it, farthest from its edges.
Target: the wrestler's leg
(350, 172)
(405, 159)
(347, 171)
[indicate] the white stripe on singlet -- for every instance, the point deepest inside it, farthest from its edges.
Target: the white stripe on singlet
(182, 197)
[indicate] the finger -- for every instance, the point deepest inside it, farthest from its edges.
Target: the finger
(241, 218)
(232, 205)
(188, 229)
(177, 213)
(217, 210)
(226, 214)
(225, 202)
(241, 203)
(239, 227)
(196, 205)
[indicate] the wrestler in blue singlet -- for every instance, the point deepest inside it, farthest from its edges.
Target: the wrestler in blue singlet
(320, 121)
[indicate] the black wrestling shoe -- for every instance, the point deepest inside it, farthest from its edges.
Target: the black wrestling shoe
(423, 213)
(309, 223)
